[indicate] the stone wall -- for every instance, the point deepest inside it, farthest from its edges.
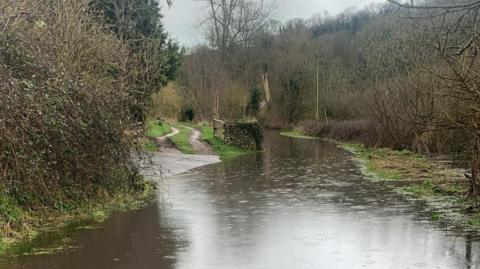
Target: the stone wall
(219, 128)
(248, 136)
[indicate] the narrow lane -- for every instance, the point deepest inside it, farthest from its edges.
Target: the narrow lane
(299, 204)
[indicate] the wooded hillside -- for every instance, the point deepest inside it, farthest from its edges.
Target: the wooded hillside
(75, 84)
(390, 75)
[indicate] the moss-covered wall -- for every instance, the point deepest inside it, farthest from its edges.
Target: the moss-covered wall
(248, 136)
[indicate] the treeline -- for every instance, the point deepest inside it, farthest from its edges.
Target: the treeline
(283, 55)
(390, 75)
(75, 84)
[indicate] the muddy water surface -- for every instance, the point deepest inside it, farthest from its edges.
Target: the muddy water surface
(300, 204)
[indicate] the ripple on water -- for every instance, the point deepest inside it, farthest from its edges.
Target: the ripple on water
(300, 204)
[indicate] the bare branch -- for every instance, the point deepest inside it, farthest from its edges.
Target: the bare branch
(459, 6)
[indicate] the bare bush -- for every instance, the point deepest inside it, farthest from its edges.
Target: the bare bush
(64, 114)
(358, 130)
(450, 30)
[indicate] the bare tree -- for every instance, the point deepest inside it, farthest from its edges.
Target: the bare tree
(233, 23)
(452, 30)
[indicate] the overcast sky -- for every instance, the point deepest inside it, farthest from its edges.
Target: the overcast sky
(183, 18)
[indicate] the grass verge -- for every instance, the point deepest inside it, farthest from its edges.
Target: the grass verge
(182, 140)
(148, 145)
(387, 164)
(45, 231)
(154, 129)
(296, 134)
(218, 146)
(418, 178)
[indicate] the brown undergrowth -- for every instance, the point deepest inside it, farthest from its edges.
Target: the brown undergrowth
(443, 188)
(66, 130)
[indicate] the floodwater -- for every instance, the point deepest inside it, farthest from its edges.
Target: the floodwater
(299, 204)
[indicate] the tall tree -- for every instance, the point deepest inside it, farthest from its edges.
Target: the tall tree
(138, 22)
(232, 23)
(452, 31)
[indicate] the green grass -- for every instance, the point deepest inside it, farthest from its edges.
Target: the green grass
(367, 152)
(48, 230)
(428, 189)
(452, 196)
(474, 220)
(156, 130)
(389, 174)
(296, 134)
(435, 216)
(181, 140)
(219, 147)
(10, 212)
(368, 156)
(443, 188)
(360, 151)
(388, 164)
(425, 189)
(149, 145)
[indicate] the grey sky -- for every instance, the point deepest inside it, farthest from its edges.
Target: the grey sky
(183, 18)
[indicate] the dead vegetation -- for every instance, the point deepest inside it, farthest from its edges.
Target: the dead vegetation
(66, 131)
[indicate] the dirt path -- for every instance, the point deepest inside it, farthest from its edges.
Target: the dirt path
(198, 146)
(165, 144)
(170, 161)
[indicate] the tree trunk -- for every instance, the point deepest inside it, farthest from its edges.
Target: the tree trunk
(266, 88)
(474, 190)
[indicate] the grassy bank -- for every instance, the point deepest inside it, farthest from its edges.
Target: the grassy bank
(296, 134)
(182, 139)
(218, 146)
(148, 145)
(46, 230)
(442, 188)
(153, 130)
(68, 118)
(387, 164)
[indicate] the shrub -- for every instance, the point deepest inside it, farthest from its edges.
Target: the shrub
(358, 130)
(64, 117)
(166, 103)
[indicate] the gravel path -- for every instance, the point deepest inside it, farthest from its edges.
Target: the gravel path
(169, 161)
(199, 146)
(165, 144)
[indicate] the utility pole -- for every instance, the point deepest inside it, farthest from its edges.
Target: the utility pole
(316, 60)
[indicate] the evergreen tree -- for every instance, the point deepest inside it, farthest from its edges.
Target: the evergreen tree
(255, 101)
(139, 24)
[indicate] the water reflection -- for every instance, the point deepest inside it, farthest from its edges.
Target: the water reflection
(140, 239)
(300, 204)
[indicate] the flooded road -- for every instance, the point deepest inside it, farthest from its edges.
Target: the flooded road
(299, 204)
